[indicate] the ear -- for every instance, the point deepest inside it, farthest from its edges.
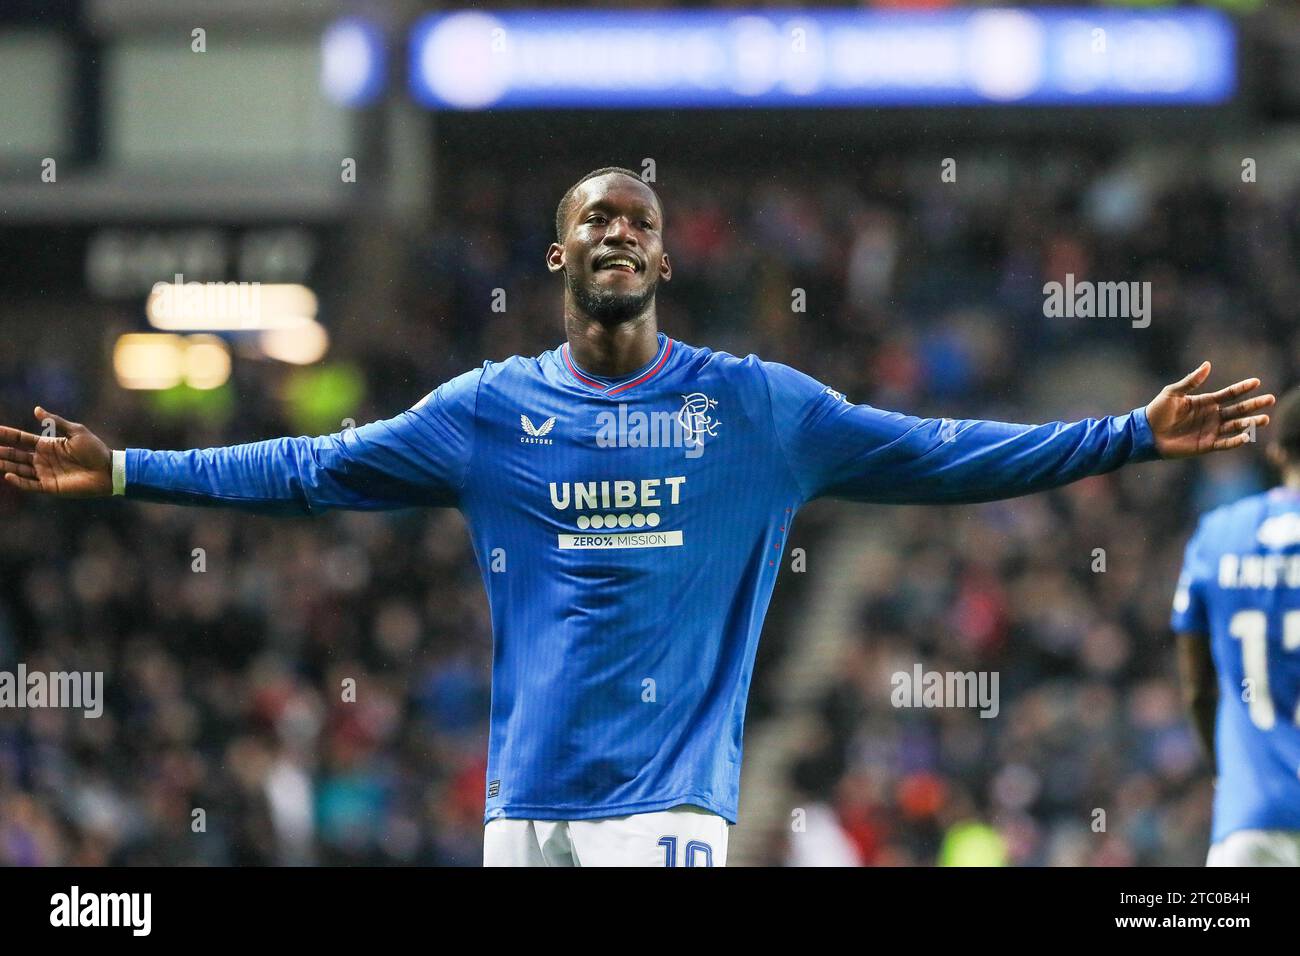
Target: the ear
(1276, 457)
(665, 268)
(555, 257)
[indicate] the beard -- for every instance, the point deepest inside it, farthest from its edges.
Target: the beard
(606, 305)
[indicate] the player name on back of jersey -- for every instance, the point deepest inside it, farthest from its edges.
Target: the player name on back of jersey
(1259, 570)
(1252, 570)
(610, 502)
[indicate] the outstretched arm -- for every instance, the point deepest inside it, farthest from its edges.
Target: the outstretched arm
(74, 463)
(861, 453)
(420, 457)
(1185, 424)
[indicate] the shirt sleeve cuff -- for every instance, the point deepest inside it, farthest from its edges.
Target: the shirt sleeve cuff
(119, 472)
(1145, 445)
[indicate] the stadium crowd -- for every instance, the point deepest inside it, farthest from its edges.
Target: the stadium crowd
(229, 735)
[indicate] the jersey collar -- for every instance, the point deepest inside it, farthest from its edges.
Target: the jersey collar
(619, 387)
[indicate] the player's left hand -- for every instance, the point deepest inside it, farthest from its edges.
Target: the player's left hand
(1185, 424)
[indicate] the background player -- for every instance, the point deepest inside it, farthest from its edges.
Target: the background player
(628, 571)
(1237, 617)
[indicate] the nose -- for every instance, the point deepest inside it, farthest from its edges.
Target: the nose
(619, 228)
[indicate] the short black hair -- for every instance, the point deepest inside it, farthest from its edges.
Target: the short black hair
(1285, 425)
(562, 209)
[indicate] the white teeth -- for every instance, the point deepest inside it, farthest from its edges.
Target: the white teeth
(609, 263)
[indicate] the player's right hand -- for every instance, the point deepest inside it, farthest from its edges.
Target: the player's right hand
(75, 464)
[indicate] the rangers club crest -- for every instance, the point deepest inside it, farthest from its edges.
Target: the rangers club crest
(696, 419)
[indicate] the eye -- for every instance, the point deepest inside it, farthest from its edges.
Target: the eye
(595, 216)
(646, 224)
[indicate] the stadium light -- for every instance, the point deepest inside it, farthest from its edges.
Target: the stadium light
(148, 361)
(151, 361)
(206, 362)
(353, 62)
(301, 344)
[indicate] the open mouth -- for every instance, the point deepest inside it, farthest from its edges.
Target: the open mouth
(619, 262)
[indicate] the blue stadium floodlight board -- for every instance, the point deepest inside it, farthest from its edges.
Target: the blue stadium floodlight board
(353, 62)
(706, 58)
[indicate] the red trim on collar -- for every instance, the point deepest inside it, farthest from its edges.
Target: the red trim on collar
(573, 369)
(620, 387)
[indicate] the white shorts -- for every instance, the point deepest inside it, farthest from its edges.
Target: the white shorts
(682, 836)
(1256, 848)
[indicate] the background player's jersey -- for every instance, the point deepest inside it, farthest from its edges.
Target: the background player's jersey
(1240, 588)
(629, 534)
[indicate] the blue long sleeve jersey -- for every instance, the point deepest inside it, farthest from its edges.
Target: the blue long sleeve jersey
(629, 534)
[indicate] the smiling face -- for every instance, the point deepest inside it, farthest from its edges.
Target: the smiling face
(612, 254)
